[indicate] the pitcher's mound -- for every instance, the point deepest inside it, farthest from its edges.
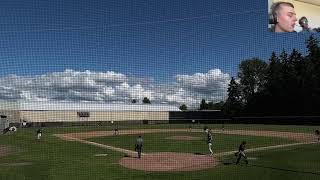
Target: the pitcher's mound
(168, 161)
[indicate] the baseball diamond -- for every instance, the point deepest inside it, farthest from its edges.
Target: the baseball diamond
(169, 151)
(180, 161)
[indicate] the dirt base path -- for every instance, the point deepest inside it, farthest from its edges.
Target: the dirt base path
(169, 161)
(4, 150)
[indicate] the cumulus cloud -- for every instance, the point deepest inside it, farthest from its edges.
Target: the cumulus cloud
(211, 86)
(211, 81)
(110, 86)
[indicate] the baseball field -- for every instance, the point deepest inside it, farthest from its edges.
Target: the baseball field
(169, 152)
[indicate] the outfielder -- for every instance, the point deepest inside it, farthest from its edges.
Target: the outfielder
(39, 134)
(241, 153)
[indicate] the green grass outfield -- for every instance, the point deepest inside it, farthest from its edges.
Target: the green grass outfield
(55, 159)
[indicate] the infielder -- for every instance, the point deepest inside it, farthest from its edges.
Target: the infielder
(241, 153)
(138, 146)
(209, 140)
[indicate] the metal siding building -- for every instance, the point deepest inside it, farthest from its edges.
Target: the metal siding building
(44, 112)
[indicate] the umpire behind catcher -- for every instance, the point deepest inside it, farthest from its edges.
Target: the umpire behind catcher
(138, 146)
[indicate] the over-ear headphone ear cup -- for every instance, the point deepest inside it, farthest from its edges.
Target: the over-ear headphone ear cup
(273, 15)
(275, 18)
(272, 18)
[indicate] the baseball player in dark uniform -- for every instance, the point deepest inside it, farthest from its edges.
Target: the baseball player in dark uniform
(209, 141)
(241, 153)
(317, 133)
(116, 131)
(12, 128)
(5, 130)
(138, 146)
(39, 133)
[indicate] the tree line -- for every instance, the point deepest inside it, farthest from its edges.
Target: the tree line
(288, 84)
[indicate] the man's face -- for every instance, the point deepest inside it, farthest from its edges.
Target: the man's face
(286, 17)
(305, 23)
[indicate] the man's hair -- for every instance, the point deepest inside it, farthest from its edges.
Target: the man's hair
(302, 19)
(275, 9)
(276, 6)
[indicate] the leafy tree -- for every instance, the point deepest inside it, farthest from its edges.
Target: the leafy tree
(215, 106)
(183, 107)
(219, 105)
(134, 101)
(146, 100)
(252, 74)
(210, 105)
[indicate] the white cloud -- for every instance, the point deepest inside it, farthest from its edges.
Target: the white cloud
(108, 91)
(110, 86)
(211, 86)
(204, 81)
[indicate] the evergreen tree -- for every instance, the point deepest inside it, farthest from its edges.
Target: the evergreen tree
(203, 105)
(233, 105)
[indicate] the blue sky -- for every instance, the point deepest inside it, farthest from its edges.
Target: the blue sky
(145, 40)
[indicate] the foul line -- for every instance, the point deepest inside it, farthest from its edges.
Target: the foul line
(263, 148)
(128, 152)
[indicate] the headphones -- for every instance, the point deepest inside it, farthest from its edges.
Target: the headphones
(273, 15)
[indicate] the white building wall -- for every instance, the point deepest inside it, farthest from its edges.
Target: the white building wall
(72, 116)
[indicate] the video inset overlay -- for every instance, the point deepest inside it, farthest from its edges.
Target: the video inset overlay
(294, 16)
